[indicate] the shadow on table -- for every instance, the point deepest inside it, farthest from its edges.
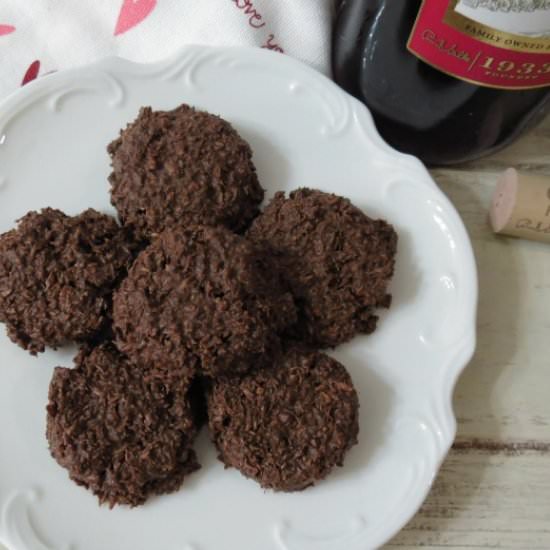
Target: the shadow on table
(499, 271)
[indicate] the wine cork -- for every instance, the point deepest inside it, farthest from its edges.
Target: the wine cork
(521, 206)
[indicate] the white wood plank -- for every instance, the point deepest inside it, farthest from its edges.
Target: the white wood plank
(485, 500)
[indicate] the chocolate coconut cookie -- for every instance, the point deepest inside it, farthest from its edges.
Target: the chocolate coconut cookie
(124, 432)
(337, 261)
(56, 276)
(287, 426)
(180, 167)
(201, 297)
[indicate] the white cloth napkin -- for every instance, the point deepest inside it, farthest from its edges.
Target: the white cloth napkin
(39, 36)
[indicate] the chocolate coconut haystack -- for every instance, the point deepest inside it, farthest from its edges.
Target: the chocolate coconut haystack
(286, 426)
(337, 261)
(202, 298)
(57, 274)
(124, 432)
(174, 168)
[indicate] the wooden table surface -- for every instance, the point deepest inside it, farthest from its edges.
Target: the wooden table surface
(493, 490)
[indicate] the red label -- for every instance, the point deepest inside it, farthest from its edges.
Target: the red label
(469, 49)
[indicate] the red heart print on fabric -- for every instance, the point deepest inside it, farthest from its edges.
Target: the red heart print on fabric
(6, 29)
(132, 13)
(32, 72)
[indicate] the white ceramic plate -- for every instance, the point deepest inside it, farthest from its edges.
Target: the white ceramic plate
(304, 132)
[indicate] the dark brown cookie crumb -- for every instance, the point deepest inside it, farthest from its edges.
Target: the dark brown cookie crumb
(123, 432)
(181, 167)
(56, 276)
(337, 261)
(287, 426)
(203, 298)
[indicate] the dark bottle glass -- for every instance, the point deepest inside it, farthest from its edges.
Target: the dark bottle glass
(417, 108)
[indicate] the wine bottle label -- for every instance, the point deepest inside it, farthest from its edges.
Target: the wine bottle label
(494, 43)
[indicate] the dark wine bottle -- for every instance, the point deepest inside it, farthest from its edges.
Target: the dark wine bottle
(447, 81)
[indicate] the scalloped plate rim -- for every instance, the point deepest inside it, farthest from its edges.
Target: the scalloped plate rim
(463, 350)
